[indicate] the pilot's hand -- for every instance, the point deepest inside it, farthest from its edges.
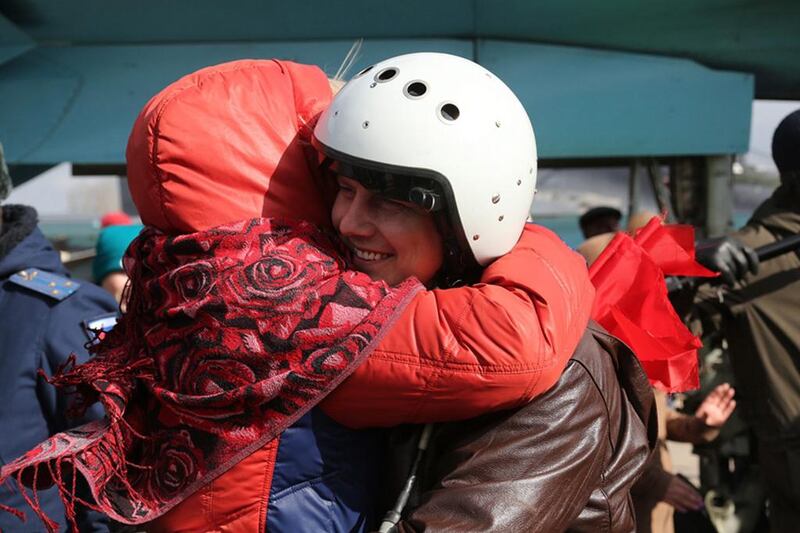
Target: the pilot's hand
(732, 259)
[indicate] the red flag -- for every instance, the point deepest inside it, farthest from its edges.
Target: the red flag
(632, 303)
(672, 248)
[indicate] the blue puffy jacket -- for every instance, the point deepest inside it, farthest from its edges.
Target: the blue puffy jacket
(316, 476)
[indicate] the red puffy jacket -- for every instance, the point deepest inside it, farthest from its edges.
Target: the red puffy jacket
(231, 142)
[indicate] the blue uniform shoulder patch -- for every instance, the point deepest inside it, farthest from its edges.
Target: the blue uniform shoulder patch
(47, 283)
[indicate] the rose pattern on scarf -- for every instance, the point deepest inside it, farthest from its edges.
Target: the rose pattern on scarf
(230, 335)
(277, 290)
(178, 462)
(193, 283)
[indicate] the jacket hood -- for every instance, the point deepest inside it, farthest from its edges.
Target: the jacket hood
(228, 143)
(33, 250)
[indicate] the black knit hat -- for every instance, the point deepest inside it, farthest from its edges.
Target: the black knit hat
(786, 144)
(598, 212)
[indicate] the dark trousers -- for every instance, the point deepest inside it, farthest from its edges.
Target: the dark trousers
(780, 464)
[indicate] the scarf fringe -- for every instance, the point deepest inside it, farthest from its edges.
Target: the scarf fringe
(112, 444)
(118, 358)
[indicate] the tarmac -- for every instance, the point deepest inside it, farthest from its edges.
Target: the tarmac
(684, 461)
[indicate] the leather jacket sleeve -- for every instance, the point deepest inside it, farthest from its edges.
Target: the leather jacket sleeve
(652, 485)
(495, 483)
(686, 428)
(565, 461)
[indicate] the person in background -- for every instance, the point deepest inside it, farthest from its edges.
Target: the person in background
(659, 492)
(758, 312)
(46, 317)
(598, 220)
(115, 218)
(591, 248)
(107, 268)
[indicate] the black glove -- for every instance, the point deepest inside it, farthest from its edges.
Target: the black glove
(732, 259)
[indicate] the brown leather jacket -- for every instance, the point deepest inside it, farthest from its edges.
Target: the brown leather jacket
(566, 461)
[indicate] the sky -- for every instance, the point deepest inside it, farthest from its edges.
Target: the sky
(767, 114)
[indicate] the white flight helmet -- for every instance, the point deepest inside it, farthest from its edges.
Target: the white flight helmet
(445, 133)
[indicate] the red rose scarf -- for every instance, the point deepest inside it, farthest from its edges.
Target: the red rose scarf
(230, 336)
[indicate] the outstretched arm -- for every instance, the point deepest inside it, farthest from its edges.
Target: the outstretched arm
(705, 424)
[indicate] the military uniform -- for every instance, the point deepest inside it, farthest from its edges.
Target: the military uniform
(45, 317)
(760, 318)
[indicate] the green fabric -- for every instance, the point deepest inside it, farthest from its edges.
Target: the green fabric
(111, 246)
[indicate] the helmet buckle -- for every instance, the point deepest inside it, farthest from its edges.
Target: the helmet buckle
(425, 198)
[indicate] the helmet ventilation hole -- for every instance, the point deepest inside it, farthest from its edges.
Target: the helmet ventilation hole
(500, 218)
(372, 85)
(476, 237)
(415, 89)
(519, 182)
(365, 125)
(386, 74)
(497, 123)
(335, 113)
(363, 72)
(495, 198)
(449, 112)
